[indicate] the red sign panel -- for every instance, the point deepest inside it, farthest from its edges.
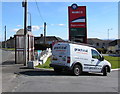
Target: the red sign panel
(77, 23)
(77, 17)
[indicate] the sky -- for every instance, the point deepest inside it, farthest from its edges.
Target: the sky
(101, 16)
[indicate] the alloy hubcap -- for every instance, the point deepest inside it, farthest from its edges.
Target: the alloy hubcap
(77, 71)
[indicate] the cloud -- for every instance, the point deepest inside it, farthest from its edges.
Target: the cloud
(1, 37)
(61, 24)
(15, 29)
(19, 25)
(52, 24)
(35, 28)
(57, 24)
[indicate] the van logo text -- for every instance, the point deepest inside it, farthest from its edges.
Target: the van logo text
(61, 47)
(80, 50)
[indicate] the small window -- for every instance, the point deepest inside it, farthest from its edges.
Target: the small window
(97, 44)
(95, 54)
(103, 44)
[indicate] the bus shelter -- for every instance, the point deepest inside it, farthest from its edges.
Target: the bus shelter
(19, 46)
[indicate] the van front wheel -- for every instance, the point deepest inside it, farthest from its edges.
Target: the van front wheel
(77, 70)
(105, 71)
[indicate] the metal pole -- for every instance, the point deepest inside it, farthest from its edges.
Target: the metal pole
(30, 20)
(25, 32)
(108, 34)
(5, 36)
(25, 18)
(44, 32)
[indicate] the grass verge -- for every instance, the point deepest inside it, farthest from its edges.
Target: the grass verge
(46, 64)
(8, 48)
(115, 62)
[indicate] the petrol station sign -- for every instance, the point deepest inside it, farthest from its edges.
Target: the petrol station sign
(77, 22)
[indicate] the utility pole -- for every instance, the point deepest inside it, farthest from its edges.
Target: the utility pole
(5, 36)
(24, 4)
(30, 26)
(44, 32)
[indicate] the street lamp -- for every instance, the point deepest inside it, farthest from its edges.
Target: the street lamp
(108, 32)
(30, 27)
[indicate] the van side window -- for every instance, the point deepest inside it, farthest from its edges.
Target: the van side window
(95, 54)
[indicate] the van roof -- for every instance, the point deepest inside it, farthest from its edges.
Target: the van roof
(76, 43)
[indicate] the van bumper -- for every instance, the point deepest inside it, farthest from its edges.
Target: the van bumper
(60, 66)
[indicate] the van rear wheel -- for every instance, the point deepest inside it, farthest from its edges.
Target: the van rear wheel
(77, 70)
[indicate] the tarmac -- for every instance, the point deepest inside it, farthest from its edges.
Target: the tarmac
(17, 76)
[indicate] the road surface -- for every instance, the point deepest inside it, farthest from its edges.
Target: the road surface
(38, 80)
(16, 78)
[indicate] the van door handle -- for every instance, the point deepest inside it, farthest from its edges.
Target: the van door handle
(92, 60)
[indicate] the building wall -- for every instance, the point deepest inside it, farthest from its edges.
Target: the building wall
(114, 46)
(97, 43)
(10, 43)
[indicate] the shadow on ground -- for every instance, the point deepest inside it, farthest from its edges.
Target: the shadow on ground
(52, 73)
(21, 70)
(8, 62)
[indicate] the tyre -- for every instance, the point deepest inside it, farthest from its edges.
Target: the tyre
(105, 71)
(57, 70)
(77, 70)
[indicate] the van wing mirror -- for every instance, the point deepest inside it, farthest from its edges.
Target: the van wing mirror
(102, 58)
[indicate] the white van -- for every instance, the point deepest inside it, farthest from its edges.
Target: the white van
(78, 58)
